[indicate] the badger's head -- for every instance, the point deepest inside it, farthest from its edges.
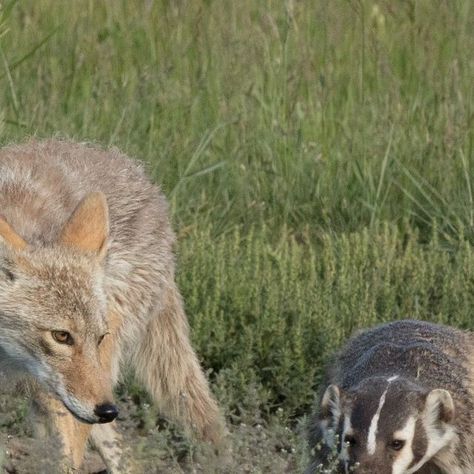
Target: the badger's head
(386, 425)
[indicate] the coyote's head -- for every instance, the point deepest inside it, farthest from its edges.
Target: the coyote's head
(53, 310)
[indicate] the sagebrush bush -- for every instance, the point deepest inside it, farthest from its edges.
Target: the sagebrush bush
(266, 313)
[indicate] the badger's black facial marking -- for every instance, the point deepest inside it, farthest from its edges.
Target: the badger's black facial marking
(419, 444)
(364, 408)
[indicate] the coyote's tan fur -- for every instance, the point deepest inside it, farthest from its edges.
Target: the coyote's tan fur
(87, 284)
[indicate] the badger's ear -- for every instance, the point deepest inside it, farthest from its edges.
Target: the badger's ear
(330, 408)
(330, 414)
(88, 227)
(439, 408)
(9, 237)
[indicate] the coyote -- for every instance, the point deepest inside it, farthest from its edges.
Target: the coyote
(86, 286)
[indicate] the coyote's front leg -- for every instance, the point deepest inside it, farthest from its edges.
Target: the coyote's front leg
(167, 365)
(72, 434)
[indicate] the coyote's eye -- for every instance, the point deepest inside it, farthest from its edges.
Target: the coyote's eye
(101, 338)
(63, 337)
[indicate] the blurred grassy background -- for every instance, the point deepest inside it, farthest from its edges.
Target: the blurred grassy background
(318, 156)
(327, 114)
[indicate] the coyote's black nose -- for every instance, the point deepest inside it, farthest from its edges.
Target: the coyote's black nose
(106, 412)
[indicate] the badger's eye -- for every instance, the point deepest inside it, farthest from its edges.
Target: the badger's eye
(397, 444)
(63, 337)
(350, 440)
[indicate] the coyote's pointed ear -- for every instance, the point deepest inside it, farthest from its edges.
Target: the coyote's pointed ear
(10, 237)
(88, 227)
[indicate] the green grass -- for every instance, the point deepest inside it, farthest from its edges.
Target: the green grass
(328, 114)
(318, 157)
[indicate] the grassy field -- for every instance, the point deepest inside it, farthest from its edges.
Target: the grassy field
(319, 160)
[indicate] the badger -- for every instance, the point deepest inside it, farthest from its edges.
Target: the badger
(397, 399)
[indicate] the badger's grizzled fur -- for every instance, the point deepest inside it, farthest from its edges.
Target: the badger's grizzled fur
(398, 399)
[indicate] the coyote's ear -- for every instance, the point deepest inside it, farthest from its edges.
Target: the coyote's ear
(10, 237)
(88, 227)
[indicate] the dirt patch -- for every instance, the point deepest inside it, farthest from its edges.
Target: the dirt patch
(154, 445)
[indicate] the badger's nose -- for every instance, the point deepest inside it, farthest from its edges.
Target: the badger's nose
(106, 412)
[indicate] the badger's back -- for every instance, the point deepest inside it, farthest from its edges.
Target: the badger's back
(430, 353)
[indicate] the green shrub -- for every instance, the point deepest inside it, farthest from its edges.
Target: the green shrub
(266, 313)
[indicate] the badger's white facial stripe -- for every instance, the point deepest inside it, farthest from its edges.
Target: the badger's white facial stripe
(405, 456)
(374, 426)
